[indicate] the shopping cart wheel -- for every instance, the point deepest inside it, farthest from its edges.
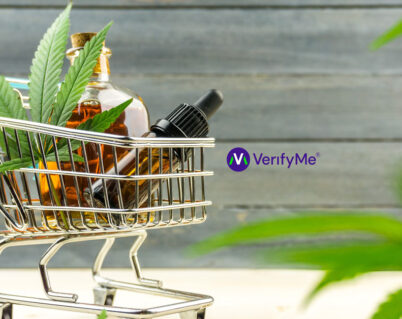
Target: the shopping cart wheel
(200, 314)
(6, 311)
(104, 296)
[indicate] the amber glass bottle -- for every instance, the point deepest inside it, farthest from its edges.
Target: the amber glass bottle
(185, 121)
(100, 95)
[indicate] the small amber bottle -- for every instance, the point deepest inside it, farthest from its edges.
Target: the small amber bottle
(100, 95)
(185, 121)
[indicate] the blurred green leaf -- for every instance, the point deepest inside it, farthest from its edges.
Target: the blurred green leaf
(311, 224)
(343, 260)
(103, 315)
(388, 36)
(323, 240)
(398, 184)
(391, 308)
(374, 254)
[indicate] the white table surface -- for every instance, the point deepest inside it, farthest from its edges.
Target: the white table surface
(239, 294)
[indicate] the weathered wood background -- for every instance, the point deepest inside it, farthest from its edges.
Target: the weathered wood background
(297, 77)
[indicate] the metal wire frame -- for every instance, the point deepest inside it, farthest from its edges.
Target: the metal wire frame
(20, 209)
(157, 211)
(181, 189)
(189, 306)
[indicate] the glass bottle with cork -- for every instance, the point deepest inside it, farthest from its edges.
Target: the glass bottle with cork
(100, 95)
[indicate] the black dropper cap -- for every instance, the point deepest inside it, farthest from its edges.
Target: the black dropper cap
(190, 120)
(210, 102)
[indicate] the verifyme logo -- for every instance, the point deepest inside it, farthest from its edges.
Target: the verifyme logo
(239, 159)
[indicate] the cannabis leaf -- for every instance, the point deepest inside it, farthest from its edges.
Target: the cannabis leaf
(64, 156)
(47, 66)
(391, 308)
(11, 106)
(26, 161)
(304, 224)
(14, 164)
(102, 121)
(346, 245)
(99, 123)
(77, 78)
(103, 315)
(387, 36)
(343, 260)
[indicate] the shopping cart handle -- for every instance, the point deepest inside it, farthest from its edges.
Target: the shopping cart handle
(18, 83)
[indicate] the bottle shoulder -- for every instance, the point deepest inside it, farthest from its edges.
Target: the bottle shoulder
(111, 95)
(135, 117)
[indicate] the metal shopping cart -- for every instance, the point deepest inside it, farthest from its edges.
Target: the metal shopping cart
(179, 201)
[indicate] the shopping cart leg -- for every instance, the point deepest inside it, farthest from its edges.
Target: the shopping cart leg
(193, 314)
(52, 250)
(135, 264)
(97, 267)
(6, 311)
(104, 296)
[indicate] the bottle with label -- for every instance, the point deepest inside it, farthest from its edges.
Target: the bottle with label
(100, 95)
(187, 121)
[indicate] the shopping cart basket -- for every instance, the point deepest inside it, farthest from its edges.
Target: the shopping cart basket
(179, 201)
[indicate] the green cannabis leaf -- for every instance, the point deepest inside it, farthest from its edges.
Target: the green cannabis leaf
(387, 36)
(391, 308)
(102, 121)
(51, 104)
(103, 315)
(99, 123)
(77, 78)
(26, 161)
(306, 224)
(346, 245)
(64, 156)
(47, 66)
(11, 106)
(16, 163)
(342, 260)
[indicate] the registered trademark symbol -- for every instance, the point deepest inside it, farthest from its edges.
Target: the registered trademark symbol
(317, 154)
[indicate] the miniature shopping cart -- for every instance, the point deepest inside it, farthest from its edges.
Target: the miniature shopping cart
(179, 201)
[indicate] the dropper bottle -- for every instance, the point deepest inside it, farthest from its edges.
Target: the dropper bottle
(186, 121)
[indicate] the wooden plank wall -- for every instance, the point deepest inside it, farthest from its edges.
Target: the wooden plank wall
(297, 76)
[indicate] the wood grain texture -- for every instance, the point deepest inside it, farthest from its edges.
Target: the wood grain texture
(346, 175)
(163, 247)
(219, 41)
(284, 107)
(289, 74)
(201, 3)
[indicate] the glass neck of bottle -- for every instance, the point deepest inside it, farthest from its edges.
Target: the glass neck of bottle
(101, 71)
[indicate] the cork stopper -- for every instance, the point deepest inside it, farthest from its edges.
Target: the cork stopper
(78, 40)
